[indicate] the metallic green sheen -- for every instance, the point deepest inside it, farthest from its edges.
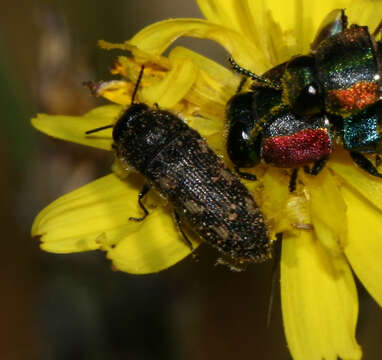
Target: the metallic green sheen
(298, 75)
(362, 130)
(346, 59)
(301, 90)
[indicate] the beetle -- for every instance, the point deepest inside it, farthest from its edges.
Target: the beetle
(176, 161)
(296, 112)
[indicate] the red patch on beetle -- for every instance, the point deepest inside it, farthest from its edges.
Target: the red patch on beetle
(356, 97)
(303, 147)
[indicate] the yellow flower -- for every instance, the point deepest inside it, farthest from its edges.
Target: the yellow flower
(342, 204)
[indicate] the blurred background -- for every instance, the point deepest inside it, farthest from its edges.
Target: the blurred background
(75, 306)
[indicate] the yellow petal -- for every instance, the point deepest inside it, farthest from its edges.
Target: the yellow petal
(116, 91)
(206, 127)
(96, 216)
(253, 19)
(73, 128)
(215, 84)
(328, 211)
(157, 37)
(275, 197)
(154, 246)
(222, 12)
(173, 88)
(139, 56)
(309, 17)
(364, 248)
(363, 12)
(274, 26)
(217, 143)
(298, 211)
(88, 217)
(319, 301)
(368, 186)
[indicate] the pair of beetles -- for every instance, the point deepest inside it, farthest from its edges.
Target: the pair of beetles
(292, 117)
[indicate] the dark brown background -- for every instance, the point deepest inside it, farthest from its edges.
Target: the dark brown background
(74, 306)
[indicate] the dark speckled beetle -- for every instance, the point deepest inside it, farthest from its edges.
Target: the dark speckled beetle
(297, 111)
(205, 194)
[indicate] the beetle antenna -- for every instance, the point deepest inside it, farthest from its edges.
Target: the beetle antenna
(98, 129)
(137, 84)
(236, 67)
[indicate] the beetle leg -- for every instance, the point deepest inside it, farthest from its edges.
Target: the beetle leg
(317, 166)
(293, 180)
(244, 175)
(141, 195)
(242, 82)
(365, 164)
(178, 221)
(378, 160)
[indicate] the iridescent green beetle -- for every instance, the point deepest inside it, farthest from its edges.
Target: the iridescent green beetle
(293, 114)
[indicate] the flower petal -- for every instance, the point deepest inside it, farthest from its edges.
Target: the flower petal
(274, 201)
(157, 37)
(275, 27)
(172, 89)
(254, 20)
(215, 84)
(117, 91)
(363, 12)
(78, 221)
(319, 301)
(96, 216)
(206, 127)
(364, 248)
(73, 128)
(125, 66)
(368, 186)
(278, 30)
(217, 142)
(309, 17)
(154, 246)
(222, 12)
(328, 211)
